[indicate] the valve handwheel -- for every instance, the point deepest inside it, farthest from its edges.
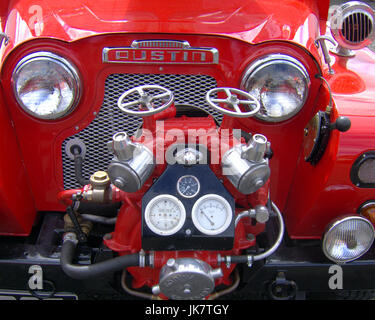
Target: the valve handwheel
(145, 99)
(234, 99)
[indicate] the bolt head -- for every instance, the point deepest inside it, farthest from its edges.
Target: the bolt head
(156, 290)
(187, 291)
(119, 182)
(171, 263)
(100, 175)
(258, 183)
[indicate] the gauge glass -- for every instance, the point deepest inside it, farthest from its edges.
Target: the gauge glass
(188, 186)
(165, 215)
(212, 214)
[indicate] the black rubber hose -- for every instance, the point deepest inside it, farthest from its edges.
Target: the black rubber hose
(81, 272)
(78, 160)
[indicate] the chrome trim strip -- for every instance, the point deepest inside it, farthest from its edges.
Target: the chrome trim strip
(173, 44)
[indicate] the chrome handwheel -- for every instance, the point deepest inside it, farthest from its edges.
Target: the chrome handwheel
(145, 100)
(235, 98)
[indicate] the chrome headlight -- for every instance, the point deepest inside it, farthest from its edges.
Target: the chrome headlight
(280, 83)
(347, 239)
(46, 85)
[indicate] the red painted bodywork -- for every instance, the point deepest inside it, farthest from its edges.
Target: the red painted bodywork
(309, 196)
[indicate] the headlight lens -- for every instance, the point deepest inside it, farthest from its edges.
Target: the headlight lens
(348, 238)
(46, 85)
(280, 83)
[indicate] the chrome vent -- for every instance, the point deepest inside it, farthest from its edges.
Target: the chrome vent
(357, 27)
(187, 89)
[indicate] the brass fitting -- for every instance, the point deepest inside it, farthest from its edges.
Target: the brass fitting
(100, 179)
(85, 225)
(100, 190)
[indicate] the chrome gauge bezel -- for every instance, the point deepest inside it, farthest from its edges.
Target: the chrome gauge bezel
(228, 218)
(181, 193)
(164, 197)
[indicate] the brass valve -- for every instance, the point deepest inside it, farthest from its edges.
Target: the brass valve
(100, 188)
(99, 179)
(85, 225)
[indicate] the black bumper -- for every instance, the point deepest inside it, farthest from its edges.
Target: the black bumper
(292, 272)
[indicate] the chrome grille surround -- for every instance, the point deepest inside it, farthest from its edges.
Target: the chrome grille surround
(187, 89)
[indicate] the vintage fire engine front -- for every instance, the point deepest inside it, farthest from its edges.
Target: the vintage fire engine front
(179, 228)
(186, 153)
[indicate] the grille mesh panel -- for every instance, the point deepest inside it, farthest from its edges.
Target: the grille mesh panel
(187, 89)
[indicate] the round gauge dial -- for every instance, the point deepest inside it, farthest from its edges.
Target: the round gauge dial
(165, 215)
(188, 186)
(212, 214)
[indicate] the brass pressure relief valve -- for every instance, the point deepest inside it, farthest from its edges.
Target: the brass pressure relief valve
(100, 188)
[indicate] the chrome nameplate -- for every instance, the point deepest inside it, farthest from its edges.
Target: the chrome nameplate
(161, 51)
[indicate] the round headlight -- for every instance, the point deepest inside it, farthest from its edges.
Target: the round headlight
(46, 85)
(280, 83)
(348, 239)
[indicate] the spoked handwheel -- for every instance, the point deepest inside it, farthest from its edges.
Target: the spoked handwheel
(145, 100)
(237, 103)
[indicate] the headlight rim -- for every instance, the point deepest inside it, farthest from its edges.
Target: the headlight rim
(336, 222)
(269, 59)
(66, 64)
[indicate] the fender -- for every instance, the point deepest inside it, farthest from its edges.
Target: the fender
(17, 216)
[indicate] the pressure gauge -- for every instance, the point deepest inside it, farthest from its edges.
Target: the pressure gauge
(188, 186)
(165, 215)
(212, 214)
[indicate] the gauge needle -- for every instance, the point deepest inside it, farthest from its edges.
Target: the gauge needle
(202, 212)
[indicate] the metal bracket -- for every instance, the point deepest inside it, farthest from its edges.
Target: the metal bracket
(142, 259)
(228, 261)
(281, 288)
(71, 211)
(320, 42)
(250, 260)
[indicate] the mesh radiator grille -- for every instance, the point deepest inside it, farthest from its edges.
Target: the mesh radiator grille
(187, 89)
